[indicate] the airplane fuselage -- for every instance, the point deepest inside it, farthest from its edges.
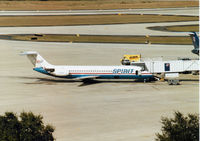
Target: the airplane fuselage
(99, 72)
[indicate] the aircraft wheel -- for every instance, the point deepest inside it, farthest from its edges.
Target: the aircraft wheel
(173, 82)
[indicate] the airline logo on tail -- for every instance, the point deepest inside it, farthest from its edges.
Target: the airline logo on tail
(194, 39)
(39, 61)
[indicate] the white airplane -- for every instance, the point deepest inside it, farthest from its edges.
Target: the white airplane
(87, 72)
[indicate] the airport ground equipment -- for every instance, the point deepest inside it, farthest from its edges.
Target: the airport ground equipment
(173, 82)
(169, 69)
(127, 59)
(172, 78)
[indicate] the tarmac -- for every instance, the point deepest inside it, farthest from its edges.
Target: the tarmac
(190, 11)
(107, 110)
(117, 29)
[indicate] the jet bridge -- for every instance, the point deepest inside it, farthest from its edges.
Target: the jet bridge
(171, 68)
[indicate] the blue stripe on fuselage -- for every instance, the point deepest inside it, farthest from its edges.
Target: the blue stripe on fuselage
(41, 70)
(107, 76)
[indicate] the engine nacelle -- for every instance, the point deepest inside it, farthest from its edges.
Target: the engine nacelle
(58, 71)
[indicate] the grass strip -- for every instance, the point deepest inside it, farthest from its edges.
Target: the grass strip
(177, 28)
(102, 39)
(16, 21)
(92, 4)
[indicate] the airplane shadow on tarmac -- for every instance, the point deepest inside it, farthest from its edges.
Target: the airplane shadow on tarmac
(52, 81)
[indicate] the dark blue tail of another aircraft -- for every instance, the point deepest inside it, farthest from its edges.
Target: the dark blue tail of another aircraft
(195, 41)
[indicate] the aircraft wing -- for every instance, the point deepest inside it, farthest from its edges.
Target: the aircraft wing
(86, 77)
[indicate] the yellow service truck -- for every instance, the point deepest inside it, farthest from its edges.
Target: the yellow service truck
(127, 59)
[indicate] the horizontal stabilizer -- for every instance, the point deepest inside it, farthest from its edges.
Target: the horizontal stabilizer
(29, 53)
(36, 59)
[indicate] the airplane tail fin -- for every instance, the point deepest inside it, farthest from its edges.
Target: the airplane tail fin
(36, 59)
(195, 40)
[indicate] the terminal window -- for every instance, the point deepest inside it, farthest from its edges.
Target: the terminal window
(167, 66)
